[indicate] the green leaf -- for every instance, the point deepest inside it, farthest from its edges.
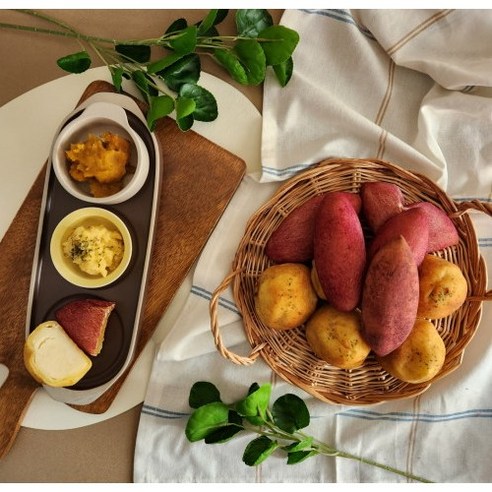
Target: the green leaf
(258, 450)
(163, 63)
(184, 113)
(208, 22)
(159, 106)
(185, 123)
(177, 25)
(298, 446)
(298, 456)
(246, 62)
(205, 420)
(184, 107)
(230, 61)
(203, 392)
(75, 62)
(142, 82)
(117, 77)
(253, 388)
(250, 22)
(205, 103)
(290, 413)
(227, 432)
(252, 57)
(212, 32)
(221, 15)
(283, 71)
(282, 43)
(183, 71)
(139, 53)
(235, 418)
(185, 41)
(222, 435)
(254, 406)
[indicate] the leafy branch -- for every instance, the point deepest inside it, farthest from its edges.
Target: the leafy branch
(277, 428)
(170, 82)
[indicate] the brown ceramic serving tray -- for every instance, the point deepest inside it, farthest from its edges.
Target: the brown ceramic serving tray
(198, 180)
(50, 291)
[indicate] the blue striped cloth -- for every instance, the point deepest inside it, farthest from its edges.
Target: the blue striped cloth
(412, 87)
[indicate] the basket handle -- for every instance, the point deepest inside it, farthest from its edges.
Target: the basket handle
(214, 324)
(486, 208)
(486, 297)
(463, 207)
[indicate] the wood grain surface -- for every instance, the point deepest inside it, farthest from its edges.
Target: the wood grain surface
(198, 180)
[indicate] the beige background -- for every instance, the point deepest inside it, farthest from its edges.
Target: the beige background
(102, 452)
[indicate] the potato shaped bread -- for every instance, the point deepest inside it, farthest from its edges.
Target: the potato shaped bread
(335, 336)
(390, 297)
(53, 358)
(420, 357)
(443, 288)
(285, 296)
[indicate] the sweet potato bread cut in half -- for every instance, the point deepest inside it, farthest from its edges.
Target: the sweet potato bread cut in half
(85, 322)
(52, 357)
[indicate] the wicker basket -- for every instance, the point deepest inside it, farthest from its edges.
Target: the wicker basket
(287, 352)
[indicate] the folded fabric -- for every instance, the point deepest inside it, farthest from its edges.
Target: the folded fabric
(407, 86)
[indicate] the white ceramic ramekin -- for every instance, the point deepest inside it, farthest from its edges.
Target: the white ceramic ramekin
(98, 118)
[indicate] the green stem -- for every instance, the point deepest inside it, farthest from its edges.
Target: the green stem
(46, 17)
(53, 32)
(162, 41)
(98, 51)
(326, 450)
(214, 46)
(205, 42)
(368, 461)
(233, 38)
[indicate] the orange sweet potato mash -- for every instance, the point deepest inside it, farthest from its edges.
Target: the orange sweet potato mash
(101, 161)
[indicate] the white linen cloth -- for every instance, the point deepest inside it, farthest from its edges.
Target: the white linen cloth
(408, 86)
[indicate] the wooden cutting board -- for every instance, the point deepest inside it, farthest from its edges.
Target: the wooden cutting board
(198, 180)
